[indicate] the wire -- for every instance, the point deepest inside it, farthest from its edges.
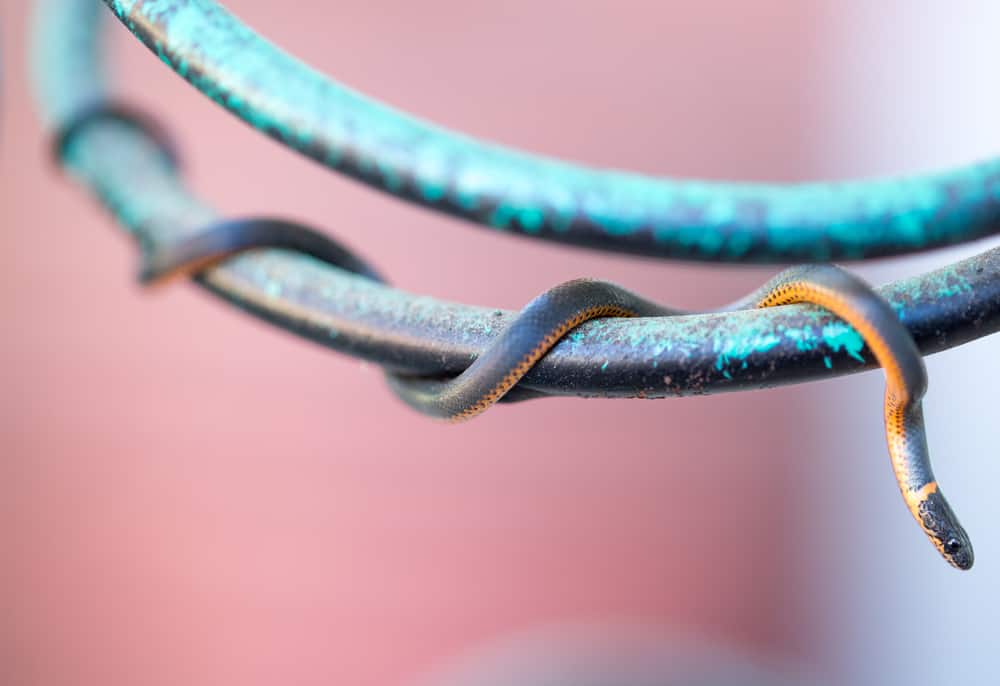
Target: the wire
(546, 198)
(651, 357)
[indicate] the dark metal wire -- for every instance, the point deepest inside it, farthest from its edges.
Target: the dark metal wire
(652, 357)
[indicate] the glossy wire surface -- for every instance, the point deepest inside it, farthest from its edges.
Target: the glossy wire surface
(648, 357)
(546, 198)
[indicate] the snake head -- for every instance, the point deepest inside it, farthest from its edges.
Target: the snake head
(945, 531)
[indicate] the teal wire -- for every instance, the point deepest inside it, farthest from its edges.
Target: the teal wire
(547, 198)
(652, 357)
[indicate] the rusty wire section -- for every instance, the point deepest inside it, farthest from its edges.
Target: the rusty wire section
(652, 357)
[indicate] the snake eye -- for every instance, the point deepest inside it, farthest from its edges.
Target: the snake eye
(952, 545)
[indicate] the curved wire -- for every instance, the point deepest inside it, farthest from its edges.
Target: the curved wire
(547, 198)
(652, 357)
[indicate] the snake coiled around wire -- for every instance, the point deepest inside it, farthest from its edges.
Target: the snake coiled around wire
(557, 311)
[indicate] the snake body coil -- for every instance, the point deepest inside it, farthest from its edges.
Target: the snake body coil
(553, 314)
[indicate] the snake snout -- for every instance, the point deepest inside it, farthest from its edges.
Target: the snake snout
(945, 531)
(958, 551)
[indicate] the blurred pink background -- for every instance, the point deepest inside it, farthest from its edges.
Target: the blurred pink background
(189, 496)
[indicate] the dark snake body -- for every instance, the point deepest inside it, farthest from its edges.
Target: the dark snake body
(554, 313)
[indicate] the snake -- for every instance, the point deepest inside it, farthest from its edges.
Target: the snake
(550, 316)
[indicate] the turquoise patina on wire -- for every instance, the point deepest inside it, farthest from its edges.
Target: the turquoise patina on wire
(517, 192)
(650, 357)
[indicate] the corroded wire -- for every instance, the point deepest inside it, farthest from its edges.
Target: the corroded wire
(651, 357)
(546, 198)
